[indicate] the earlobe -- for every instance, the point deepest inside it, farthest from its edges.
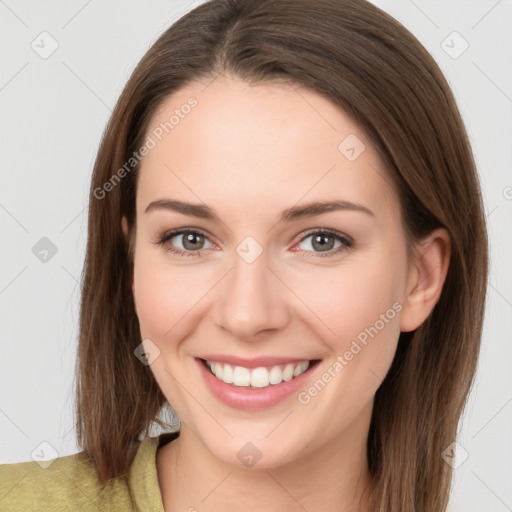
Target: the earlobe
(428, 273)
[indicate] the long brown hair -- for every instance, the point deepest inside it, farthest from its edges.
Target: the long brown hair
(374, 69)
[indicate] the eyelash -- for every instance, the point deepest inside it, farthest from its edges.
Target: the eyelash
(347, 242)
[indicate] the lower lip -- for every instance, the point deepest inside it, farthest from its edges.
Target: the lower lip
(256, 398)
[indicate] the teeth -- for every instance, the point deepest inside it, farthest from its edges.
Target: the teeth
(257, 377)
(227, 376)
(218, 370)
(241, 376)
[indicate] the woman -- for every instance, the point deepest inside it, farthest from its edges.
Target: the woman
(286, 244)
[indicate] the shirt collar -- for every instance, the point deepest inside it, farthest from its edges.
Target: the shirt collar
(143, 477)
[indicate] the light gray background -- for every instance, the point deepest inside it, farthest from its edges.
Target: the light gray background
(53, 112)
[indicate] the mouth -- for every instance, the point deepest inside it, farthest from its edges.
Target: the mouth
(249, 385)
(260, 377)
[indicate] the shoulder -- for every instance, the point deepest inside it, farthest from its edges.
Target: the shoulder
(67, 483)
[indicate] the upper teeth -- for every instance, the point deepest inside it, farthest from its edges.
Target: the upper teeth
(257, 377)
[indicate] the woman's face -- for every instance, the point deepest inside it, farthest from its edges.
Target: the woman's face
(260, 284)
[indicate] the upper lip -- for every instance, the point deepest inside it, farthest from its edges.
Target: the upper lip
(252, 363)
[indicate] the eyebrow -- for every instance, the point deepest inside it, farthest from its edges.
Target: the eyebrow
(290, 214)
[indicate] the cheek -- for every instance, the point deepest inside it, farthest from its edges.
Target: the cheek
(167, 296)
(353, 301)
(362, 310)
(359, 307)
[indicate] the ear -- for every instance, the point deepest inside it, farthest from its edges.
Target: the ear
(124, 227)
(427, 275)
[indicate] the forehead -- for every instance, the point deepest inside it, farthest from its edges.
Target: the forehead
(241, 147)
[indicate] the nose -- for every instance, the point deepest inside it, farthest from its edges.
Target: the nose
(252, 300)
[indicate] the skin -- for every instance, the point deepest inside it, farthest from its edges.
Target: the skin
(249, 152)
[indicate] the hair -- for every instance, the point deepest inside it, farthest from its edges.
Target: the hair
(375, 70)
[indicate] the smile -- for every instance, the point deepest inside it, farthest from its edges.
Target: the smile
(255, 384)
(260, 377)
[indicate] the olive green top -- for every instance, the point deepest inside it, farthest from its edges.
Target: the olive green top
(70, 483)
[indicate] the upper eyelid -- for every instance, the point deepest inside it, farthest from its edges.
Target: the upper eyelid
(180, 231)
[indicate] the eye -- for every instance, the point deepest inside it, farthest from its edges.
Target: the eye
(192, 241)
(323, 243)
